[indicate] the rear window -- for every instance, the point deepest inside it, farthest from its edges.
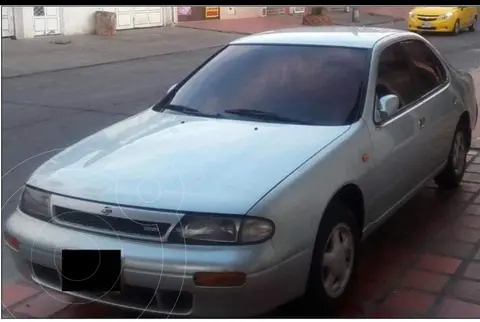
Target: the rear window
(316, 85)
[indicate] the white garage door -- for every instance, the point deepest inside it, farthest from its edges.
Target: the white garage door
(139, 17)
(7, 21)
(46, 20)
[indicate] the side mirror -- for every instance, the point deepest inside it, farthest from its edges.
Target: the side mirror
(171, 88)
(388, 106)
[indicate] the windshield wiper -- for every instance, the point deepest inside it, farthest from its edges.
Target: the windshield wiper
(179, 108)
(183, 109)
(263, 115)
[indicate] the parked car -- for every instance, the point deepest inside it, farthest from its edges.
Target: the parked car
(443, 19)
(253, 181)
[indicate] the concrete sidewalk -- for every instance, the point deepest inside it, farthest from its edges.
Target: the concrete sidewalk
(31, 56)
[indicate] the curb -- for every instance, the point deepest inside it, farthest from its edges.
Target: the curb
(372, 23)
(109, 62)
(222, 31)
(384, 22)
(336, 24)
(380, 15)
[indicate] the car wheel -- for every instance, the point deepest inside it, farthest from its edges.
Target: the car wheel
(473, 26)
(452, 175)
(456, 27)
(334, 259)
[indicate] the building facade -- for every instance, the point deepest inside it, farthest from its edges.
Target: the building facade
(28, 22)
(254, 12)
(197, 13)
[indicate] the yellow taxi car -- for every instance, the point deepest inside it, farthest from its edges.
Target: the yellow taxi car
(443, 19)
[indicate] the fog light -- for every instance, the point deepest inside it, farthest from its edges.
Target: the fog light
(12, 242)
(224, 279)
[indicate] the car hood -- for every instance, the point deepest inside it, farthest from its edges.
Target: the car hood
(178, 162)
(433, 10)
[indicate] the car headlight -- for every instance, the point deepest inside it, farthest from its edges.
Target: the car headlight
(221, 230)
(35, 202)
(446, 16)
(411, 14)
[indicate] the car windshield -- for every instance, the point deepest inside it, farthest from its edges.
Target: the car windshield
(317, 85)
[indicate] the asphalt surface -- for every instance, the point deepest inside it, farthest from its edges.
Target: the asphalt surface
(44, 113)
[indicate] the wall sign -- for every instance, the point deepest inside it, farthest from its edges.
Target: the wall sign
(212, 12)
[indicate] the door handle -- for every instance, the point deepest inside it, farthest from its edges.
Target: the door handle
(455, 101)
(421, 122)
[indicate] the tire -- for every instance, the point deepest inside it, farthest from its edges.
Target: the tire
(320, 299)
(473, 26)
(456, 28)
(452, 175)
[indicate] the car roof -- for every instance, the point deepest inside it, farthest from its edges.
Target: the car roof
(341, 36)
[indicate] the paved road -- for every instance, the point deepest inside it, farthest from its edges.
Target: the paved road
(46, 112)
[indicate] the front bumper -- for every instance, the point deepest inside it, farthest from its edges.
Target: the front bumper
(415, 24)
(159, 278)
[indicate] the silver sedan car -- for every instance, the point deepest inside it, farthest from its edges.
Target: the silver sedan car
(253, 181)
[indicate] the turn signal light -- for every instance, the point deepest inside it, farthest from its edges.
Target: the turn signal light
(225, 279)
(12, 242)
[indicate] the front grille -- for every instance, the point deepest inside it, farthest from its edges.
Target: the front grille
(427, 18)
(115, 225)
(427, 28)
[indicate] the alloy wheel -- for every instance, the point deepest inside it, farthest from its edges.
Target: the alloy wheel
(338, 259)
(459, 153)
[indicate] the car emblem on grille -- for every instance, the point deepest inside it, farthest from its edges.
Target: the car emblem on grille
(106, 211)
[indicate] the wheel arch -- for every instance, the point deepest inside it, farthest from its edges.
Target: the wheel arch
(352, 196)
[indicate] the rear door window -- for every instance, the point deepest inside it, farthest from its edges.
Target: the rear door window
(426, 66)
